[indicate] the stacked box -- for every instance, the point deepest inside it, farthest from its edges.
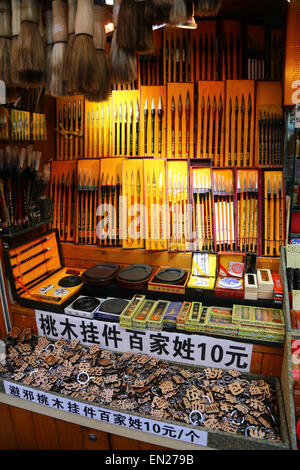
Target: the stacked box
(182, 316)
(259, 323)
(141, 316)
(251, 287)
(219, 321)
(194, 316)
(156, 319)
(131, 310)
(265, 284)
(171, 314)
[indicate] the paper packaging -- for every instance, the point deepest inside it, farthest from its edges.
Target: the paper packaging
(251, 287)
(265, 284)
(130, 311)
(155, 320)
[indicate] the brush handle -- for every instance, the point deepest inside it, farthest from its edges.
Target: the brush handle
(5, 19)
(30, 11)
(15, 17)
(48, 25)
(59, 21)
(72, 4)
(84, 21)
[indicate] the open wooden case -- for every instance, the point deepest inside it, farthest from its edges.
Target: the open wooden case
(37, 275)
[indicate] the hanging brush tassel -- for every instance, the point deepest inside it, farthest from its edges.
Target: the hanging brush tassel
(83, 76)
(123, 63)
(31, 53)
(49, 45)
(5, 41)
(15, 23)
(127, 20)
(100, 44)
(178, 12)
(72, 4)
(144, 41)
(60, 39)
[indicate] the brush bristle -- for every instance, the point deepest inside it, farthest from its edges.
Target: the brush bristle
(104, 82)
(123, 64)
(127, 25)
(83, 76)
(68, 53)
(5, 55)
(144, 41)
(48, 77)
(178, 12)
(31, 57)
(57, 84)
(13, 61)
(11, 94)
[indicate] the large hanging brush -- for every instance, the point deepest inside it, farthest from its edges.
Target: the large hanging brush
(123, 63)
(31, 53)
(5, 41)
(49, 44)
(207, 7)
(60, 39)
(84, 76)
(15, 23)
(72, 4)
(144, 40)
(178, 12)
(127, 20)
(156, 12)
(100, 44)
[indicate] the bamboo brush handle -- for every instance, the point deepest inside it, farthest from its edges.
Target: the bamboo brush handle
(72, 4)
(48, 25)
(30, 11)
(84, 21)
(15, 17)
(59, 21)
(99, 29)
(5, 19)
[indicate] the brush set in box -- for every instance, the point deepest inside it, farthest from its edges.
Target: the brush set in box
(259, 323)
(247, 210)
(224, 210)
(203, 272)
(202, 208)
(273, 212)
(37, 275)
(97, 129)
(70, 128)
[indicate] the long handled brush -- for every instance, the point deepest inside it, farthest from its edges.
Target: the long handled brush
(31, 53)
(5, 41)
(84, 76)
(72, 4)
(49, 45)
(123, 63)
(100, 44)
(60, 39)
(15, 26)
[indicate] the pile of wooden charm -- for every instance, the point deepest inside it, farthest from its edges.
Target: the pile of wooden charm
(212, 398)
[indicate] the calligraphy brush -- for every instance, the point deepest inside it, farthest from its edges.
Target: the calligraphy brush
(212, 53)
(177, 60)
(274, 218)
(15, 24)
(195, 211)
(194, 60)
(172, 60)
(131, 129)
(214, 114)
(31, 50)
(145, 126)
(160, 116)
(231, 211)
(72, 5)
(153, 112)
(184, 61)
(137, 125)
(60, 39)
(120, 130)
(125, 129)
(178, 12)
(206, 213)
(224, 212)
(207, 127)
(202, 126)
(123, 63)
(220, 117)
(170, 212)
(180, 127)
(138, 189)
(238, 48)
(242, 130)
(155, 223)
(230, 125)
(66, 208)
(249, 129)
(188, 117)
(127, 25)
(281, 236)
(255, 212)
(244, 213)
(268, 218)
(236, 116)
(225, 52)
(150, 227)
(173, 126)
(167, 60)
(99, 38)
(217, 213)
(144, 36)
